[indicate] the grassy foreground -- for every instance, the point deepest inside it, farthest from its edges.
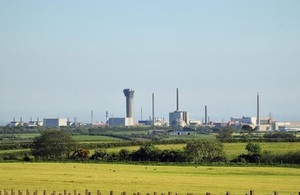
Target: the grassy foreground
(145, 178)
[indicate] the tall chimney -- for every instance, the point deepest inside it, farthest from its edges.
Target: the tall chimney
(153, 119)
(92, 117)
(106, 117)
(177, 100)
(257, 117)
(205, 115)
(129, 93)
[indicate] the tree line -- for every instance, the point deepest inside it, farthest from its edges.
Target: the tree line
(59, 145)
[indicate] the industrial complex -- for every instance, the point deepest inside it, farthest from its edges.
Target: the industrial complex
(177, 119)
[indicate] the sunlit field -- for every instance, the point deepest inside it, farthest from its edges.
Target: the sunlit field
(145, 178)
(99, 138)
(231, 149)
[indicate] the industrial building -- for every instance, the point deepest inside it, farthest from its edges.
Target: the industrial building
(265, 123)
(129, 119)
(120, 121)
(156, 122)
(55, 122)
(287, 126)
(178, 118)
(31, 123)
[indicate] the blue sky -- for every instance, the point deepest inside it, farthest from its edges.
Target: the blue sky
(66, 58)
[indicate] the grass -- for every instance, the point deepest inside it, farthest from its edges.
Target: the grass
(234, 149)
(231, 149)
(102, 138)
(14, 151)
(145, 178)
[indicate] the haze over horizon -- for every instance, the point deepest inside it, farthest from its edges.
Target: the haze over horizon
(66, 58)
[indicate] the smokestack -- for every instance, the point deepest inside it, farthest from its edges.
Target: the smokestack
(106, 117)
(129, 93)
(92, 117)
(205, 115)
(153, 109)
(177, 100)
(257, 117)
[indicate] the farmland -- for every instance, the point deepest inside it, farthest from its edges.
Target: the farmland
(147, 178)
(231, 149)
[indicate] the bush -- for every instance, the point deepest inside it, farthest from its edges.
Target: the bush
(80, 154)
(53, 144)
(100, 154)
(205, 151)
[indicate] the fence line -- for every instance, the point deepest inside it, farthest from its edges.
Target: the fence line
(98, 192)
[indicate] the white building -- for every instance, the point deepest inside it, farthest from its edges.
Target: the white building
(266, 123)
(179, 118)
(287, 125)
(121, 121)
(55, 122)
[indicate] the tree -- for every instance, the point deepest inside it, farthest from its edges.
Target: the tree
(225, 133)
(205, 151)
(172, 155)
(147, 152)
(100, 154)
(80, 154)
(253, 148)
(248, 129)
(53, 144)
(124, 154)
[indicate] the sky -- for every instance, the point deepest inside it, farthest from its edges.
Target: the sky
(66, 58)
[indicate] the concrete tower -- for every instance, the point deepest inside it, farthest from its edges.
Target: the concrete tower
(206, 122)
(153, 117)
(177, 100)
(129, 93)
(257, 109)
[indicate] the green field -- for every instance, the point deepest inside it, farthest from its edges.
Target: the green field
(14, 151)
(145, 178)
(231, 149)
(99, 138)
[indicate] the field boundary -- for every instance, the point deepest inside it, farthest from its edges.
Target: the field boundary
(98, 192)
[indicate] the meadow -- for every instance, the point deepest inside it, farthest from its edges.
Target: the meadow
(231, 149)
(147, 178)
